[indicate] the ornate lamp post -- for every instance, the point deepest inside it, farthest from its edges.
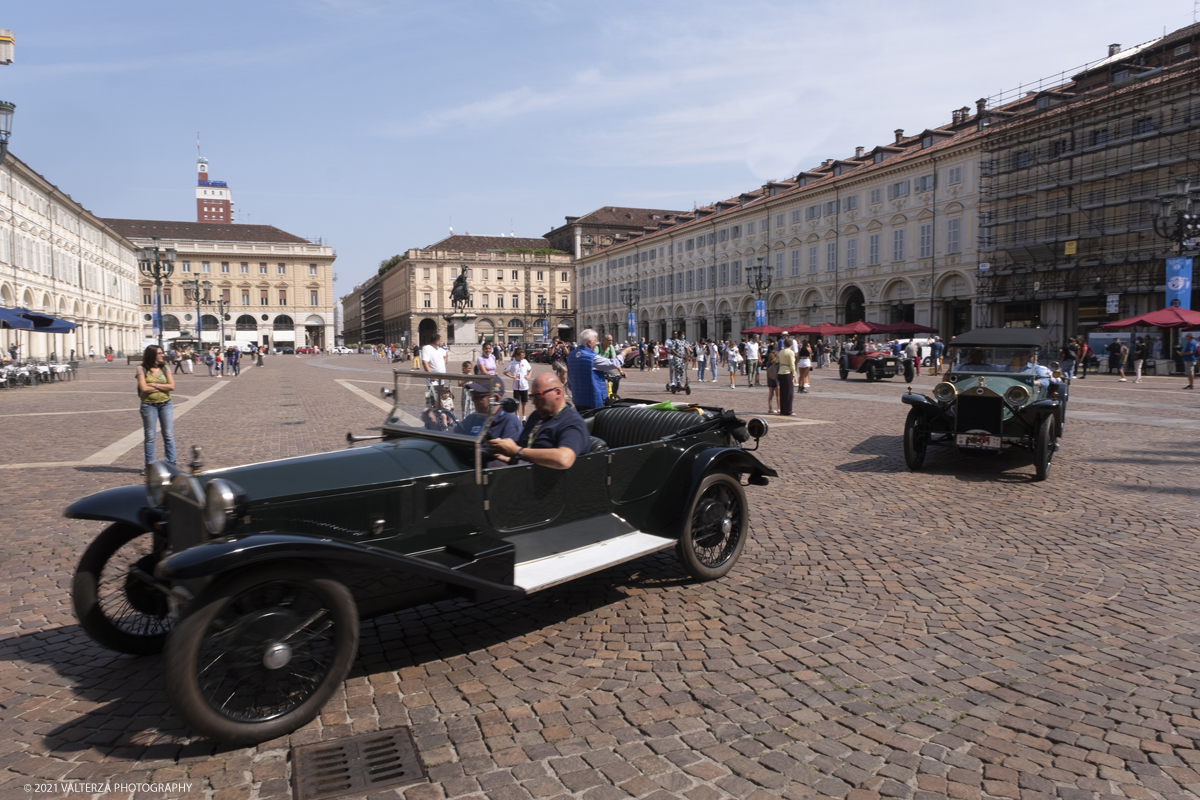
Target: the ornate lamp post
(222, 308)
(1177, 218)
(157, 265)
(630, 299)
(197, 290)
(759, 278)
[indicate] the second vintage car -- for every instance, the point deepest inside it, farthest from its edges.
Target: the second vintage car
(995, 397)
(254, 578)
(874, 364)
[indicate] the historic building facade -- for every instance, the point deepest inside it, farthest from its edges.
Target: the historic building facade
(884, 235)
(278, 286)
(515, 286)
(57, 258)
(582, 236)
(214, 199)
(1071, 181)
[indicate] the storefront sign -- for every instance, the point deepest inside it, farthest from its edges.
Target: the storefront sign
(1070, 248)
(1114, 304)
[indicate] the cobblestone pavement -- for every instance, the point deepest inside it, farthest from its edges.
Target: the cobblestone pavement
(961, 632)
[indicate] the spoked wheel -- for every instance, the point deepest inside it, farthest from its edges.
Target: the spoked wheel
(261, 653)
(113, 604)
(870, 373)
(916, 439)
(714, 532)
(1044, 447)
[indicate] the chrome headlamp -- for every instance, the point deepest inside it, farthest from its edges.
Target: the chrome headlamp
(220, 506)
(158, 478)
(1017, 395)
(944, 392)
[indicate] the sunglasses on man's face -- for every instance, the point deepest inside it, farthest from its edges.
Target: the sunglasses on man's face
(536, 395)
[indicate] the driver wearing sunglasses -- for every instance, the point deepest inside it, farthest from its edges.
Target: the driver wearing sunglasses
(555, 433)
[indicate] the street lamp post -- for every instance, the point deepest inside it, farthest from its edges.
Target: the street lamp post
(222, 307)
(197, 290)
(761, 284)
(157, 265)
(630, 299)
(1177, 218)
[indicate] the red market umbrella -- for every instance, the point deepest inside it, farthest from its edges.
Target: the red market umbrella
(1169, 317)
(857, 327)
(804, 330)
(904, 327)
(766, 330)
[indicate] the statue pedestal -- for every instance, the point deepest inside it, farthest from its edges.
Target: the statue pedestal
(460, 329)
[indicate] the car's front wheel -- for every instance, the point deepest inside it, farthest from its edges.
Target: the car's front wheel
(714, 530)
(261, 653)
(916, 439)
(869, 372)
(843, 372)
(909, 372)
(1044, 447)
(113, 599)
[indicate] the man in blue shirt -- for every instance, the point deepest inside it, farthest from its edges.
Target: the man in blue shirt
(586, 371)
(555, 434)
(936, 350)
(1188, 353)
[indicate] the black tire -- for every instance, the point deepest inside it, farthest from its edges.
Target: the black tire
(909, 371)
(714, 529)
(1044, 447)
(1060, 417)
(240, 700)
(927, 361)
(114, 607)
(869, 371)
(843, 373)
(687, 389)
(916, 439)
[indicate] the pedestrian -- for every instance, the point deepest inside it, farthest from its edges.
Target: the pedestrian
(772, 379)
(713, 358)
(518, 369)
(91, 354)
(175, 360)
(210, 361)
(786, 374)
(262, 351)
(752, 361)
(935, 355)
(486, 363)
(1114, 355)
(803, 365)
(733, 360)
(587, 371)
(235, 361)
(1139, 358)
(1070, 352)
(1187, 354)
(912, 351)
(155, 385)
(1123, 355)
(1085, 357)
(701, 359)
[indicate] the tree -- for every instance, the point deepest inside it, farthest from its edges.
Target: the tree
(388, 263)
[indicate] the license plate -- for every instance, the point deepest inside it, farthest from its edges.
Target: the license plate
(979, 441)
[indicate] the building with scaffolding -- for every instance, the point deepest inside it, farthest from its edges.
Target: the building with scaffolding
(1070, 178)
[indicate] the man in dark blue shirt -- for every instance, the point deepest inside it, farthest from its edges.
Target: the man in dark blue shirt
(555, 433)
(505, 425)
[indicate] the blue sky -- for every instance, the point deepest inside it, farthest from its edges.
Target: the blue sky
(377, 125)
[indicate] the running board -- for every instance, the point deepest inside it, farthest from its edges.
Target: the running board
(552, 570)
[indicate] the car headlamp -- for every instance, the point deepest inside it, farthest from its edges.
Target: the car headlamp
(1017, 394)
(220, 506)
(944, 392)
(158, 478)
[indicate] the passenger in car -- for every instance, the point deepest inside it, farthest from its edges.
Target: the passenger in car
(555, 434)
(504, 424)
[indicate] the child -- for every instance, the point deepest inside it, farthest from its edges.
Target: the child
(465, 400)
(518, 368)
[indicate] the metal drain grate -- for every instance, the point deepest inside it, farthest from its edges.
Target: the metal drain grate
(362, 764)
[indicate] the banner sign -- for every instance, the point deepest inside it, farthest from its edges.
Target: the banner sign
(1114, 304)
(545, 330)
(156, 317)
(1179, 282)
(630, 327)
(760, 313)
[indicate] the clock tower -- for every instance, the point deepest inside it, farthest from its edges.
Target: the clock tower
(214, 200)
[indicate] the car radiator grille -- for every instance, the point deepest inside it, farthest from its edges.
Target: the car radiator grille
(979, 414)
(184, 523)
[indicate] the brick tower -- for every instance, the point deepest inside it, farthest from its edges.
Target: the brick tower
(214, 201)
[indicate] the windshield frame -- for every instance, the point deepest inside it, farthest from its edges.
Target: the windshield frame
(994, 364)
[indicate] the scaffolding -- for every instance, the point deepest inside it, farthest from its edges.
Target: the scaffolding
(1068, 182)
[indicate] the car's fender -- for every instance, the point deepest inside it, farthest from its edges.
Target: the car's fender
(686, 475)
(224, 555)
(123, 504)
(914, 399)
(1042, 405)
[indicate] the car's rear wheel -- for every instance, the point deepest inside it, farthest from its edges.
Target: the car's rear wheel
(869, 372)
(261, 653)
(113, 604)
(714, 530)
(843, 372)
(916, 439)
(1044, 447)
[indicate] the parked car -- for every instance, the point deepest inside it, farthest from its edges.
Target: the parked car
(991, 400)
(285, 351)
(341, 351)
(253, 579)
(304, 350)
(874, 364)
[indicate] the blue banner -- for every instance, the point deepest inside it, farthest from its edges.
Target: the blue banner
(630, 327)
(545, 330)
(156, 315)
(760, 313)
(1179, 282)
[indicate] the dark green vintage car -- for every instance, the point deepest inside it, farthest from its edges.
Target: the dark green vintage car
(995, 397)
(254, 579)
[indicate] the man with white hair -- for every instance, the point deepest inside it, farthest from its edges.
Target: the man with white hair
(586, 371)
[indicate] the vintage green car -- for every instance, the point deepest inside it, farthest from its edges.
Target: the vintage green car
(253, 579)
(995, 397)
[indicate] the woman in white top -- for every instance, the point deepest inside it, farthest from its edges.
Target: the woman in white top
(518, 369)
(803, 365)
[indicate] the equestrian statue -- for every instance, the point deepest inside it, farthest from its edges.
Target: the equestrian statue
(460, 295)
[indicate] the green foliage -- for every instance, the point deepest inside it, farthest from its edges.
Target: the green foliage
(543, 251)
(388, 263)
